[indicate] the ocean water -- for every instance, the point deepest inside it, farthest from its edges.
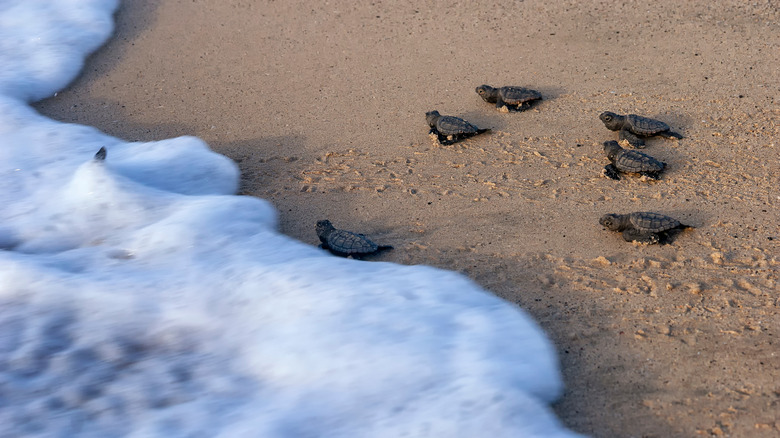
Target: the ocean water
(139, 296)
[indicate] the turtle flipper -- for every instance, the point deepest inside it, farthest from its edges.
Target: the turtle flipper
(501, 105)
(452, 139)
(443, 140)
(651, 175)
(670, 134)
(668, 236)
(639, 236)
(632, 139)
(610, 171)
(515, 108)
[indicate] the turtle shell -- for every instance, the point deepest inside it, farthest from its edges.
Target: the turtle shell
(518, 95)
(350, 243)
(629, 160)
(645, 126)
(653, 222)
(450, 125)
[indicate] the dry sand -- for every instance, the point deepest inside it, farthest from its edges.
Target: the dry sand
(322, 105)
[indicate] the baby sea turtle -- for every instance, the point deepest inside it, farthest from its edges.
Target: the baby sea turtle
(633, 127)
(509, 98)
(346, 243)
(642, 226)
(100, 155)
(449, 129)
(630, 161)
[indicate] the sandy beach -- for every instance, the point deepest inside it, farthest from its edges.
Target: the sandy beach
(323, 108)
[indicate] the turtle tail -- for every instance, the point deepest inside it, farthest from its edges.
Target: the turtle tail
(384, 247)
(482, 130)
(666, 237)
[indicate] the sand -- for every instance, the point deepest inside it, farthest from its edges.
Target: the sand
(322, 106)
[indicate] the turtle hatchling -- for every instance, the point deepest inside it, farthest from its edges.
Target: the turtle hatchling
(509, 98)
(633, 127)
(642, 226)
(346, 243)
(450, 129)
(100, 155)
(630, 161)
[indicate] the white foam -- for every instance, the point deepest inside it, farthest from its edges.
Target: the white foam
(140, 297)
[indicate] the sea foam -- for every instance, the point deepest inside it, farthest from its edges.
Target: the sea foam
(140, 297)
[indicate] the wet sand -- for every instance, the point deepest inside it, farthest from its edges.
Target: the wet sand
(322, 106)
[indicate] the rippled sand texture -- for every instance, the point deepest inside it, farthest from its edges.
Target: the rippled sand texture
(323, 108)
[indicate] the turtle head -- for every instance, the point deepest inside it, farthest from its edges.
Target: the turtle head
(612, 121)
(431, 117)
(488, 93)
(323, 227)
(611, 148)
(613, 222)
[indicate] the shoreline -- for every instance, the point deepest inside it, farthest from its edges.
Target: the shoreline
(326, 120)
